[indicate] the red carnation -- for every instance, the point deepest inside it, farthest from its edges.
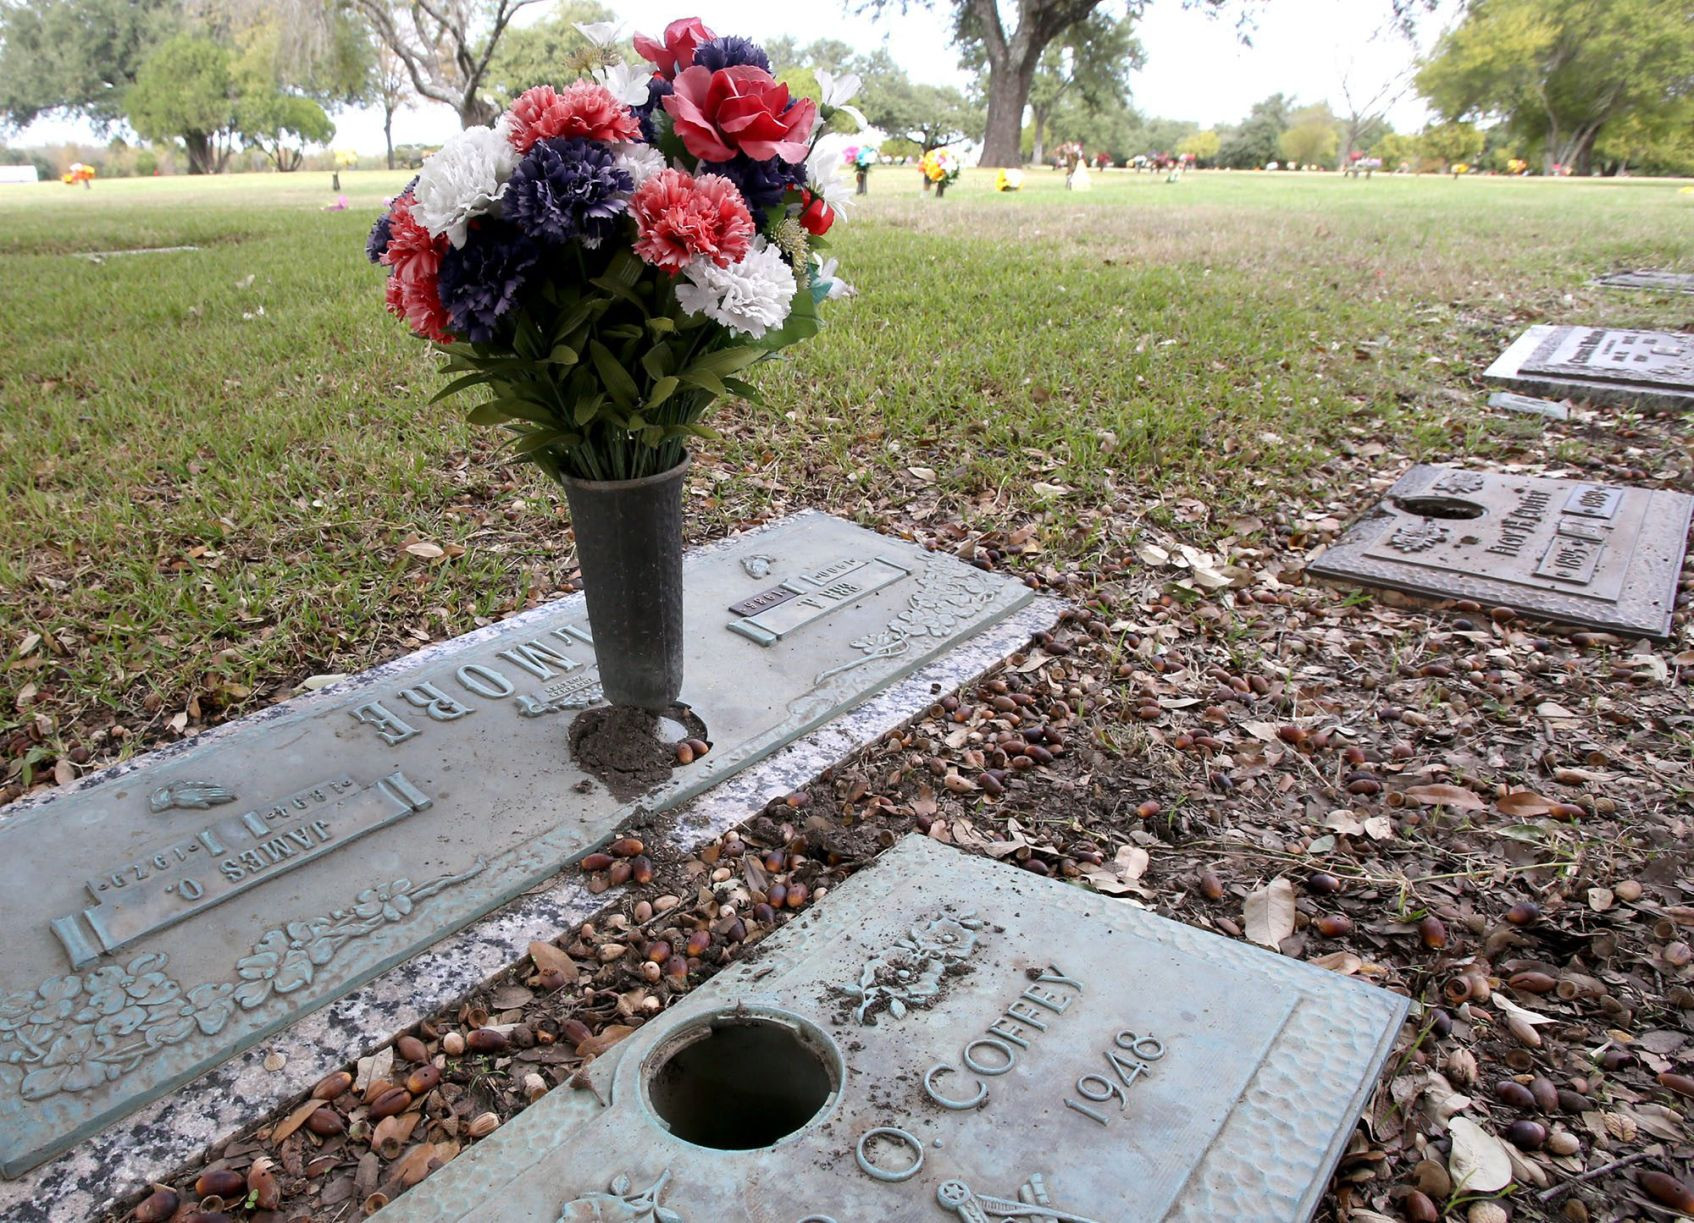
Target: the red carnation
(682, 39)
(679, 217)
(815, 215)
(414, 292)
(742, 109)
(584, 108)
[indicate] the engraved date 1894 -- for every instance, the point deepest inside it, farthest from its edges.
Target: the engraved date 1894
(1122, 1073)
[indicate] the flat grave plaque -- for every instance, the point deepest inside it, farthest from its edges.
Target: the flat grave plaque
(1597, 555)
(173, 910)
(1646, 369)
(947, 1037)
(1662, 282)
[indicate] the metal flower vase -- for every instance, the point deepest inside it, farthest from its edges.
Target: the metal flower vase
(629, 542)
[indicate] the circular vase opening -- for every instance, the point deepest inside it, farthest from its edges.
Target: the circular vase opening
(738, 1082)
(1439, 507)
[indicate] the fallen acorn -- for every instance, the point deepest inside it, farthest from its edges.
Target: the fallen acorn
(262, 1186)
(483, 1125)
(684, 753)
(1563, 1142)
(1526, 1135)
(641, 869)
(412, 1049)
(574, 1031)
(698, 746)
(625, 847)
(326, 1122)
(618, 873)
(1532, 982)
(698, 942)
(391, 1102)
(1524, 913)
(220, 1182)
(658, 951)
(486, 1040)
(1681, 1084)
(330, 1086)
(1334, 925)
(1420, 1209)
(1211, 887)
(1545, 1093)
(453, 1044)
(797, 893)
(595, 862)
(1432, 932)
(1512, 1092)
(1322, 883)
(1667, 1190)
(422, 1080)
(157, 1206)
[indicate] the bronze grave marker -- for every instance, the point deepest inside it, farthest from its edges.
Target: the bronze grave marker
(1591, 554)
(1643, 369)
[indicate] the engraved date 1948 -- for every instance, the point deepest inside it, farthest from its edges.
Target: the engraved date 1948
(1122, 1073)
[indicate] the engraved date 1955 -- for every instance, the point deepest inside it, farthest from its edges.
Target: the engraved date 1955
(1122, 1072)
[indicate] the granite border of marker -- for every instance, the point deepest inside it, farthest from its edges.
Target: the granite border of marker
(159, 1138)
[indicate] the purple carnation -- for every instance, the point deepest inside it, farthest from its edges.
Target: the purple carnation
(730, 53)
(658, 89)
(761, 183)
(566, 189)
(481, 280)
(376, 246)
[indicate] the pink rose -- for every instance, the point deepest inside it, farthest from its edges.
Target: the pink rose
(682, 39)
(742, 109)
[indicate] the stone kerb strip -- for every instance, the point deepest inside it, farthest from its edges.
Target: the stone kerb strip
(1650, 370)
(169, 912)
(1604, 556)
(163, 1136)
(994, 1047)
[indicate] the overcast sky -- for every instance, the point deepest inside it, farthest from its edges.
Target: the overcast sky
(1197, 67)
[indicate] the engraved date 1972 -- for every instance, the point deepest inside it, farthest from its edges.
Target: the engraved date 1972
(1122, 1073)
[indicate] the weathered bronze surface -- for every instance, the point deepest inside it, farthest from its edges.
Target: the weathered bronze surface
(1651, 370)
(1663, 282)
(1585, 553)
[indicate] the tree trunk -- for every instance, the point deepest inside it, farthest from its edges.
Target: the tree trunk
(199, 147)
(475, 112)
(1038, 124)
(1008, 92)
(388, 133)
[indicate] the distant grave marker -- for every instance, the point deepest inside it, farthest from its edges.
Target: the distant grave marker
(175, 909)
(949, 1038)
(1662, 282)
(1591, 554)
(1526, 405)
(1646, 369)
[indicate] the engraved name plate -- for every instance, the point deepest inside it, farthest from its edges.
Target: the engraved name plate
(174, 909)
(991, 1046)
(1646, 369)
(1589, 554)
(816, 595)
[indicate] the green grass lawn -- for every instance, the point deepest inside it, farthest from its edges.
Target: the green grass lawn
(213, 459)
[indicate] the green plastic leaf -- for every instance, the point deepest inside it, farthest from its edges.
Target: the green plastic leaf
(619, 385)
(563, 354)
(662, 390)
(460, 384)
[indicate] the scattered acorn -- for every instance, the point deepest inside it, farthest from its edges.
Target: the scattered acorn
(1524, 913)
(411, 1048)
(1512, 1092)
(1420, 1209)
(1334, 925)
(453, 1044)
(1563, 1142)
(325, 1121)
(391, 1102)
(482, 1125)
(157, 1206)
(1668, 1191)
(1432, 932)
(1322, 884)
(641, 869)
(1681, 1084)
(225, 1183)
(262, 1186)
(1526, 1135)
(1532, 982)
(422, 1080)
(329, 1087)
(486, 1040)
(1211, 887)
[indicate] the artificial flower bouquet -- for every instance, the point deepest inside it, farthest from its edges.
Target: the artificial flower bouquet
(941, 166)
(610, 256)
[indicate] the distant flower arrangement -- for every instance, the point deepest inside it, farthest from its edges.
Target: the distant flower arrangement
(941, 166)
(1008, 180)
(609, 255)
(78, 173)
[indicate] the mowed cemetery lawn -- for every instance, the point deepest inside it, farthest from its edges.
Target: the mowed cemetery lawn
(222, 478)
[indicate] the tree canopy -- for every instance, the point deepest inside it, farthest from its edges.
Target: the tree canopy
(1561, 73)
(447, 47)
(1257, 141)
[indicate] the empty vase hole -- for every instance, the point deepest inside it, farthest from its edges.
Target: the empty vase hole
(742, 1084)
(1439, 507)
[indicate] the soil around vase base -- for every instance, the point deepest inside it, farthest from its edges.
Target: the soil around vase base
(621, 746)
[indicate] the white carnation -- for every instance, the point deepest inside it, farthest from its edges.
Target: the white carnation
(640, 161)
(826, 171)
(628, 85)
(465, 179)
(751, 296)
(838, 91)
